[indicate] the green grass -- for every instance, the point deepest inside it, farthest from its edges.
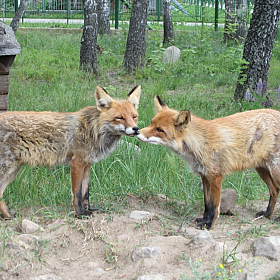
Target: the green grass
(46, 76)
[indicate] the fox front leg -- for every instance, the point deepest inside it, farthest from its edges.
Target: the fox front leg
(212, 187)
(85, 191)
(79, 183)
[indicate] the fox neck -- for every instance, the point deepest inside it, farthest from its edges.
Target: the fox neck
(101, 139)
(193, 144)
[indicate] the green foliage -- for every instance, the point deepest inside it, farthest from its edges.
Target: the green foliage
(46, 76)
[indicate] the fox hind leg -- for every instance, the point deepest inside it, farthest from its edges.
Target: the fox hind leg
(4, 182)
(272, 180)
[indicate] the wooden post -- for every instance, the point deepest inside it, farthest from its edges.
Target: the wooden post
(9, 48)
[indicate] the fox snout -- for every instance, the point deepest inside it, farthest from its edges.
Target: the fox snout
(136, 130)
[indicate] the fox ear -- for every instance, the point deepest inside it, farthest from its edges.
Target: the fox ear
(182, 119)
(159, 104)
(134, 96)
(102, 98)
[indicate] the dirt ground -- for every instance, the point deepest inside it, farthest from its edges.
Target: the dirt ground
(101, 246)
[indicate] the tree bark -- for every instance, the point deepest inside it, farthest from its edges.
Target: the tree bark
(103, 13)
(168, 36)
(18, 15)
(88, 55)
(136, 41)
(235, 20)
(241, 18)
(258, 47)
(229, 20)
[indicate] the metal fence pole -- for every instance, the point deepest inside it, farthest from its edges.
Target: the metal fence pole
(216, 14)
(68, 10)
(117, 2)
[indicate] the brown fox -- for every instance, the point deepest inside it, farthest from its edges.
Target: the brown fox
(215, 148)
(78, 138)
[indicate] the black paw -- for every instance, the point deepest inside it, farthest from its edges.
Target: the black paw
(203, 223)
(263, 213)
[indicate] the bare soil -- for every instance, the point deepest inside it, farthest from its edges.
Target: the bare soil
(101, 246)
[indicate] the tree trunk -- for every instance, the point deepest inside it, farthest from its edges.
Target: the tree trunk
(136, 41)
(18, 15)
(235, 20)
(241, 18)
(167, 23)
(258, 47)
(88, 55)
(103, 13)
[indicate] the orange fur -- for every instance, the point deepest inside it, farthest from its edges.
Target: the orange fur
(78, 138)
(215, 148)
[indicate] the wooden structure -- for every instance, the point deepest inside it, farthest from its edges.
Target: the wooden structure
(9, 48)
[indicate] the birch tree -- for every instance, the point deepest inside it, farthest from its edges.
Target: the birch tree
(88, 55)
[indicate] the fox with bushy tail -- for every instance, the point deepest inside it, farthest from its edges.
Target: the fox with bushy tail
(77, 138)
(215, 148)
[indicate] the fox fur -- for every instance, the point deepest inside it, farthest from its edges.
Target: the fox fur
(215, 148)
(78, 138)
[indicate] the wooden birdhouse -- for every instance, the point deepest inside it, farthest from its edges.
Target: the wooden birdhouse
(9, 48)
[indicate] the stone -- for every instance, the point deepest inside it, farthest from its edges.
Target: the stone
(30, 227)
(171, 55)
(139, 215)
(151, 277)
(8, 41)
(228, 200)
(263, 247)
(47, 277)
(202, 237)
(146, 252)
(56, 223)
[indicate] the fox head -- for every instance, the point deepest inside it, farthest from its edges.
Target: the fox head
(119, 116)
(167, 128)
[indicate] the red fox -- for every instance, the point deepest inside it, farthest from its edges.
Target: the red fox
(215, 148)
(79, 139)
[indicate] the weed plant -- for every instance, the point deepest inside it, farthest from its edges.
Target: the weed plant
(46, 76)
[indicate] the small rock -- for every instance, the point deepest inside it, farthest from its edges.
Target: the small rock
(12, 246)
(249, 276)
(30, 227)
(139, 215)
(122, 237)
(56, 223)
(28, 238)
(4, 265)
(228, 200)
(146, 252)
(202, 237)
(92, 265)
(275, 240)
(171, 55)
(263, 247)
(151, 277)
(48, 277)
(98, 271)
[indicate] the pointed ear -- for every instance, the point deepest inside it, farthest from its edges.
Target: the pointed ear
(182, 119)
(134, 95)
(103, 100)
(159, 104)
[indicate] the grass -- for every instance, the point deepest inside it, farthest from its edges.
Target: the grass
(46, 76)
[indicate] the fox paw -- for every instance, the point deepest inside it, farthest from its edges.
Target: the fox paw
(263, 213)
(203, 224)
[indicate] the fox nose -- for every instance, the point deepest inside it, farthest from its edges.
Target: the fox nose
(136, 129)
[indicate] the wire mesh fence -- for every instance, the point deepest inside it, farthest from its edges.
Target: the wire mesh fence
(202, 11)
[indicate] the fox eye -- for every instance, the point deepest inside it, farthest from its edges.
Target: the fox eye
(134, 117)
(159, 130)
(120, 118)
